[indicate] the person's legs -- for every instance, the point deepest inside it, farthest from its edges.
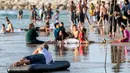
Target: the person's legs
(75, 18)
(119, 20)
(82, 17)
(110, 27)
(87, 19)
(128, 22)
(39, 42)
(23, 61)
(115, 27)
(36, 58)
(36, 42)
(72, 18)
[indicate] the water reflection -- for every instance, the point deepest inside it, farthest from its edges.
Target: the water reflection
(119, 57)
(74, 50)
(61, 50)
(118, 54)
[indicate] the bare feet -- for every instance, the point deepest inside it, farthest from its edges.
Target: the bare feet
(18, 64)
(110, 35)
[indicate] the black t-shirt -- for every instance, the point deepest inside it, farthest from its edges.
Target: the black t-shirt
(117, 9)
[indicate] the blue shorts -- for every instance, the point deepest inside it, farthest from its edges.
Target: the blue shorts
(36, 59)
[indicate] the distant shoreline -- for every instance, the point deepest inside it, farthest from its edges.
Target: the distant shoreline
(25, 4)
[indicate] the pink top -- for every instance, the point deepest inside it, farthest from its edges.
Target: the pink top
(126, 35)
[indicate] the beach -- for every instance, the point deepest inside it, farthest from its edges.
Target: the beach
(93, 58)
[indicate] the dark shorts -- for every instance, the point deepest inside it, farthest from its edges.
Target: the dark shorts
(20, 14)
(97, 16)
(73, 16)
(128, 19)
(36, 59)
(81, 17)
(105, 17)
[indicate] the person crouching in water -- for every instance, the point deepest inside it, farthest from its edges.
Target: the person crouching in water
(31, 36)
(40, 56)
(125, 34)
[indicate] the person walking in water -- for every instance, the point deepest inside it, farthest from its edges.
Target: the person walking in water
(56, 16)
(20, 14)
(42, 12)
(85, 9)
(80, 12)
(33, 14)
(103, 17)
(114, 15)
(97, 11)
(72, 9)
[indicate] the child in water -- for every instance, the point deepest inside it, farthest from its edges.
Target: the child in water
(125, 34)
(82, 35)
(56, 16)
(3, 30)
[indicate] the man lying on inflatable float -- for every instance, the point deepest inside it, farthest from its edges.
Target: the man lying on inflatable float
(40, 61)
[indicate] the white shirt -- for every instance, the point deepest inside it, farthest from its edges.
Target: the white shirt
(47, 55)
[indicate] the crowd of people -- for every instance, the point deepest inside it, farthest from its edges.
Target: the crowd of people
(101, 14)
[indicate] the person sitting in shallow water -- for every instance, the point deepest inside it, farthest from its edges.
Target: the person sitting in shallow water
(75, 31)
(46, 27)
(3, 30)
(31, 35)
(40, 56)
(10, 28)
(56, 30)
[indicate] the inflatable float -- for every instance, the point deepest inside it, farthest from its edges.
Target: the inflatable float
(40, 68)
(71, 41)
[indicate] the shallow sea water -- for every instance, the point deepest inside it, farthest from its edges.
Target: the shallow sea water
(93, 58)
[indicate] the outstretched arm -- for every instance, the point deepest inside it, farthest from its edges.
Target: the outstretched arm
(37, 51)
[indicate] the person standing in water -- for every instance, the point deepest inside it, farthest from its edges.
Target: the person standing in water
(103, 17)
(114, 15)
(42, 12)
(56, 16)
(49, 12)
(97, 11)
(10, 28)
(20, 14)
(126, 12)
(72, 9)
(33, 14)
(80, 12)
